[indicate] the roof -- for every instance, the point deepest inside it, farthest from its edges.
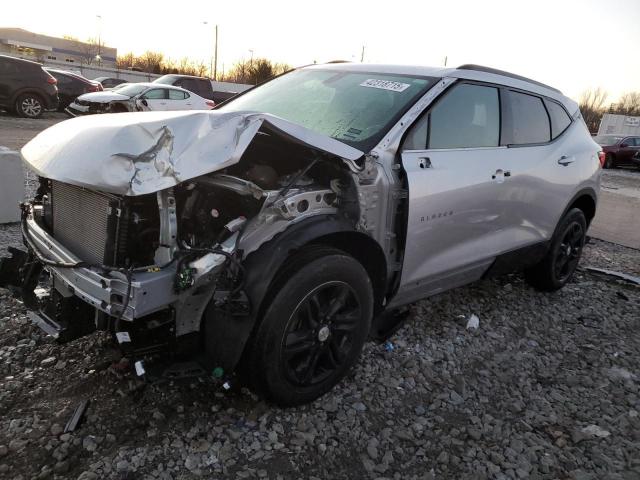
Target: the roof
(20, 60)
(468, 71)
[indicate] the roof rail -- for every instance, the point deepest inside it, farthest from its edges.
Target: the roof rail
(480, 68)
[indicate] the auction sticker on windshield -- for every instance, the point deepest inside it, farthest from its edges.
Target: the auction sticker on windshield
(385, 85)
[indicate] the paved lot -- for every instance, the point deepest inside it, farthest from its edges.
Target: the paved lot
(15, 132)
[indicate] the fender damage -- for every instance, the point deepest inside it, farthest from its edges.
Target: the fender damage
(195, 193)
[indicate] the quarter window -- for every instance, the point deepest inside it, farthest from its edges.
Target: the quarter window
(529, 119)
(466, 117)
(560, 119)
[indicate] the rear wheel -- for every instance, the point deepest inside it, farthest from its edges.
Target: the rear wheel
(561, 261)
(29, 105)
(313, 330)
(608, 161)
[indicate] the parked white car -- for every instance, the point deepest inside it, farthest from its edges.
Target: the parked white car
(138, 97)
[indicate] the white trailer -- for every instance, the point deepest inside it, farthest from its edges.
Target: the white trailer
(619, 125)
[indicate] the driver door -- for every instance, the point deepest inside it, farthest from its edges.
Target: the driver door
(455, 169)
(156, 99)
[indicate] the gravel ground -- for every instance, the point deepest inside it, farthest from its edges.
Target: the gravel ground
(547, 387)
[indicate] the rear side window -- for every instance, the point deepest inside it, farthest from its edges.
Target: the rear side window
(177, 95)
(560, 119)
(529, 119)
(156, 94)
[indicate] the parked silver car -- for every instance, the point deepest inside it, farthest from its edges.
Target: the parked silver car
(271, 237)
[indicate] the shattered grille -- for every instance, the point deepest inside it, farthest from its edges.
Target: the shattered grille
(81, 221)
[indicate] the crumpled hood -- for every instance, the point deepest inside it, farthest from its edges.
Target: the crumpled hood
(144, 152)
(102, 97)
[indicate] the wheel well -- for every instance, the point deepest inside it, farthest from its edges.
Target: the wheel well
(25, 91)
(367, 251)
(587, 205)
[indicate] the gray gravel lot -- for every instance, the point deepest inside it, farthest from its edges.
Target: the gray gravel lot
(546, 388)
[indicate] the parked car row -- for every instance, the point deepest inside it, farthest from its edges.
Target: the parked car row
(28, 89)
(136, 97)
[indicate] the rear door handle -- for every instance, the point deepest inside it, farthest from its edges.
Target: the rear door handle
(564, 161)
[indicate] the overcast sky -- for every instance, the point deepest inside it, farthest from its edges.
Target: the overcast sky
(570, 44)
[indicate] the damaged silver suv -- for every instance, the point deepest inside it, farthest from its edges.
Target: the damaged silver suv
(269, 238)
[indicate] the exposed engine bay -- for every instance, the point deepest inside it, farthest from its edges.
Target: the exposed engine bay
(153, 269)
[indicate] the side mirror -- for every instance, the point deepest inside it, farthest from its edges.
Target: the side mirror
(624, 145)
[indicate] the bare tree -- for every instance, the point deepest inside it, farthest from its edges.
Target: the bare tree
(150, 62)
(592, 107)
(256, 71)
(628, 104)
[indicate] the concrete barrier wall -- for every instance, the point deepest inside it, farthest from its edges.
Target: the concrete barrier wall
(12, 188)
(93, 71)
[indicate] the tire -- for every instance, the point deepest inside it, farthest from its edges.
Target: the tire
(313, 330)
(29, 105)
(561, 261)
(608, 161)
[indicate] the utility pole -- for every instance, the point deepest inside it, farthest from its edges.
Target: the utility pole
(215, 61)
(99, 56)
(445, 61)
(362, 55)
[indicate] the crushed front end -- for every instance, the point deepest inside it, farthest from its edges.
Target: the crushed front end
(101, 261)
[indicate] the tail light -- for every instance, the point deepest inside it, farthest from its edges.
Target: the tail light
(93, 88)
(601, 157)
(211, 103)
(51, 80)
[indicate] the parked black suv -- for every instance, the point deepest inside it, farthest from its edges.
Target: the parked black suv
(198, 85)
(26, 88)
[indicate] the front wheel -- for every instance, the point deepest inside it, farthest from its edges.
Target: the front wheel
(313, 330)
(561, 261)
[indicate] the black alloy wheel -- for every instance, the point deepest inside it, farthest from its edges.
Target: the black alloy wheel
(319, 334)
(315, 322)
(563, 255)
(569, 252)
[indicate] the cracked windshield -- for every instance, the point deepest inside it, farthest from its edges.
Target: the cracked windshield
(355, 108)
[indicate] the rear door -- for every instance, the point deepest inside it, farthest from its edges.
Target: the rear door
(457, 170)
(178, 100)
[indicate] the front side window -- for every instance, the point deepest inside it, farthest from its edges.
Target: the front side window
(529, 119)
(356, 108)
(468, 116)
(156, 94)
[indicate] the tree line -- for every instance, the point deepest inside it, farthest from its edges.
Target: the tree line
(246, 71)
(593, 105)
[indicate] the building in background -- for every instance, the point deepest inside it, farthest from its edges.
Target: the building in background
(43, 48)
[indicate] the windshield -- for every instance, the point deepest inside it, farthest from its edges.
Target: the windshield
(606, 140)
(356, 108)
(132, 89)
(165, 80)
